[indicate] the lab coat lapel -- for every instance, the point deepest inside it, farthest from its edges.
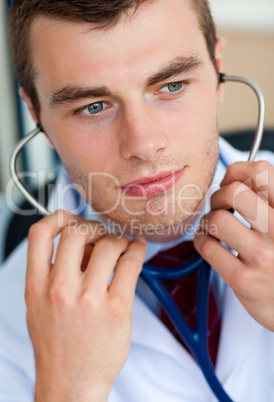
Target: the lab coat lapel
(239, 331)
(149, 331)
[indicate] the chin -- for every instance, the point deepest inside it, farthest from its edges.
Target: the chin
(159, 223)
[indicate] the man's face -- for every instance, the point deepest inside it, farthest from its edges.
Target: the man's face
(131, 111)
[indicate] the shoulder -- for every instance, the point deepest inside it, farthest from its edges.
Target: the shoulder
(12, 288)
(16, 355)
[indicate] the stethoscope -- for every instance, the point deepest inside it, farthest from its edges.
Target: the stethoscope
(196, 340)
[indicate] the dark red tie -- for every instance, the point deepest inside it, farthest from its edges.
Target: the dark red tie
(184, 292)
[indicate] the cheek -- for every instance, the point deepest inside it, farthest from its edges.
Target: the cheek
(85, 157)
(98, 152)
(194, 126)
(197, 115)
(83, 149)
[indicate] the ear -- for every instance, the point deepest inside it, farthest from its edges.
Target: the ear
(219, 50)
(25, 97)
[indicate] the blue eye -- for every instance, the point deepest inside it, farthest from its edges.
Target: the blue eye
(95, 108)
(174, 86)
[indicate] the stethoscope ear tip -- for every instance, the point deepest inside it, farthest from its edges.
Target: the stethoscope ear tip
(39, 127)
(222, 78)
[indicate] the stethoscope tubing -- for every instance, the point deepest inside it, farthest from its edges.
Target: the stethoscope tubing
(196, 339)
(261, 112)
(15, 175)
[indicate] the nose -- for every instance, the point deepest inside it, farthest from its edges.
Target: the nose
(141, 134)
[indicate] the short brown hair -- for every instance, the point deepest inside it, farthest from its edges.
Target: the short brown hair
(102, 14)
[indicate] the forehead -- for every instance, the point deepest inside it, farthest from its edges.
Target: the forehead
(63, 50)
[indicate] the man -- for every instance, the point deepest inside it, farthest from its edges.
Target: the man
(126, 93)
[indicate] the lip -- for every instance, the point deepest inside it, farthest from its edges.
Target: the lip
(150, 186)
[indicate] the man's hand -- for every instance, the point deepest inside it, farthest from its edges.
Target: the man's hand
(248, 187)
(79, 325)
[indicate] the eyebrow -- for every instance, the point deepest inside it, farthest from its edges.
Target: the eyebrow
(180, 65)
(71, 94)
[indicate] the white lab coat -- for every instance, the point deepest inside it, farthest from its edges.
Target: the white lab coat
(158, 368)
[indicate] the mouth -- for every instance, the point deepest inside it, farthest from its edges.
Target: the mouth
(150, 186)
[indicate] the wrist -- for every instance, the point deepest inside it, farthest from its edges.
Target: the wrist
(45, 393)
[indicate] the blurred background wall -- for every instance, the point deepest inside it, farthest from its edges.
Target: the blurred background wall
(248, 28)
(9, 130)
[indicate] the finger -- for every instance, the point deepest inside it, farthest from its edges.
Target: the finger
(40, 247)
(128, 270)
(104, 257)
(219, 257)
(259, 175)
(225, 227)
(86, 257)
(241, 198)
(71, 247)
